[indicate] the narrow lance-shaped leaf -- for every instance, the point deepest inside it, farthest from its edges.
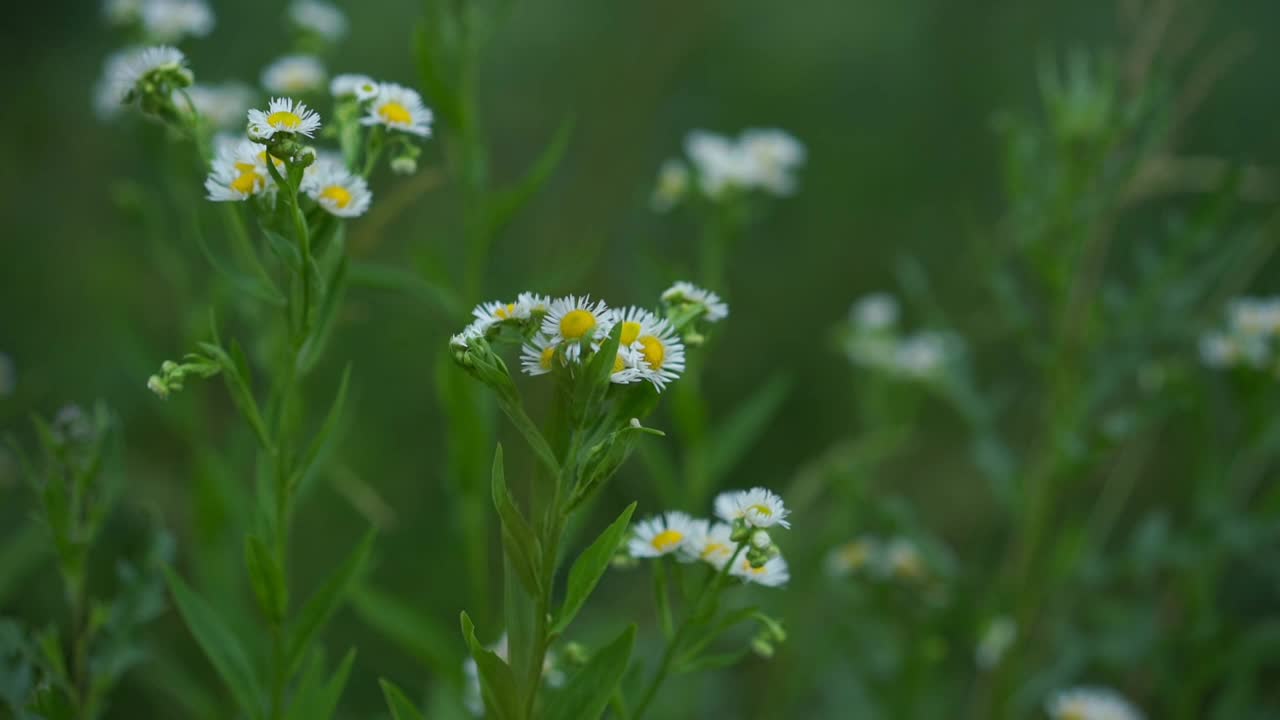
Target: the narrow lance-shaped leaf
(220, 645)
(507, 203)
(317, 610)
(316, 701)
(399, 704)
(267, 579)
(590, 566)
(518, 539)
(497, 684)
(323, 437)
(585, 695)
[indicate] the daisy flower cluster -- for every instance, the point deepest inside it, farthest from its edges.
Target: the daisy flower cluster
(896, 558)
(561, 334)
(874, 341)
(161, 21)
(1091, 703)
(738, 537)
(148, 75)
(764, 160)
(1249, 338)
(384, 107)
(552, 674)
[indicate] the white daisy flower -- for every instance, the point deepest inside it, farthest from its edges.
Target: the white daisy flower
(223, 106)
(874, 312)
(1091, 703)
(399, 108)
(124, 71)
(1255, 316)
(714, 309)
(574, 320)
(498, 311)
(774, 573)
(361, 87)
(710, 542)
(538, 355)
(673, 184)
(1219, 350)
(238, 172)
(758, 506)
(474, 331)
(720, 163)
(283, 115)
(852, 556)
(658, 351)
(320, 18)
(171, 20)
(121, 12)
(536, 303)
(294, 75)
(773, 156)
(660, 535)
(337, 190)
(902, 559)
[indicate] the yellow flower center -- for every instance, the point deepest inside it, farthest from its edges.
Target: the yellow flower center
(505, 312)
(618, 364)
(746, 567)
(339, 195)
(394, 112)
(714, 548)
(666, 540)
(577, 323)
(654, 351)
(630, 331)
(283, 120)
(248, 180)
(263, 157)
(762, 509)
(544, 359)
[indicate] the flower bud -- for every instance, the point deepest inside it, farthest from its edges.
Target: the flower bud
(761, 539)
(404, 165)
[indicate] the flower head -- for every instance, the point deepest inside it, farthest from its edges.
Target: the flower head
(773, 156)
(238, 172)
(171, 20)
(656, 352)
(319, 18)
(575, 320)
(138, 71)
(852, 556)
(773, 573)
(336, 189)
(757, 507)
(710, 542)
(399, 108)
(713, 308)
(1091, 703)
(361, 87)
(660, 535)
(720, 163)
(283, 116)
(537, 357)
(874, 312)
(294, 75)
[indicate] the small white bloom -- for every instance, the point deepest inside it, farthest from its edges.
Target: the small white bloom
(853, 556)
(399, 108)
(336, 189)
(1255, 316)
(538, 355)
(714, 309)
(758, 506)
(720, 163)
(774, 573)
(223, 106)
(294, 75)
(320, 18)
(361, 87)
(673, 184)
(124, 70)
(537, 304)
(995, 642)
(902, 559)
(922, 355)
(283, 115)
(238, 172)
(655, 350)
(1219, 350)
(874, 312)
(171, 20)
(761, 540)
(574, 320)
(499, 311)
(710, 542)
(773, 157)
(474, 331)
(1091, 703)
(662, 535)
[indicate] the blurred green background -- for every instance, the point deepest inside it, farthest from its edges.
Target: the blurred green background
(894, 101)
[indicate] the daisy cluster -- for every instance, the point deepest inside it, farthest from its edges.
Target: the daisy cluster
(739, 535)
(874, 341)
(881, 558)
(764, 160)
(1249, 338)
(1091, 703)
(552, 675)
(561, 334)
(148, 75)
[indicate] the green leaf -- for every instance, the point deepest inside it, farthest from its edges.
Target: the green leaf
(590, 566)
(497, 684)
(314, 701)
(585, 695)
(400, 706)
(267, 579)
(405, 624)
(591, 389)
(518, 539)
(220, 645)
(506, 203)
(284, 248)
(317, 610)
(321, 441)
(261, 289)
(326, 318)
(740, 431)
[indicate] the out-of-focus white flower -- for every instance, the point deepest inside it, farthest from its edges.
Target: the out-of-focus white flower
(283, 116)
(399, 108)
(124, 70)
(319, 18)
(1091, 703)
(361, 87)
(169, 21)
(758, 507)
(238, 172)
(1253, 329)
(339, 191)
(222, 106)
(713, 308)
(874, 312)
(774, 156)
(294, 75)
(901, 559)
(922, 355)
(995, 642)
(665, 534)
(673, 184)
(759, 159)
(853, 556)
(710, 542)
(720, 163)
(774, 573)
